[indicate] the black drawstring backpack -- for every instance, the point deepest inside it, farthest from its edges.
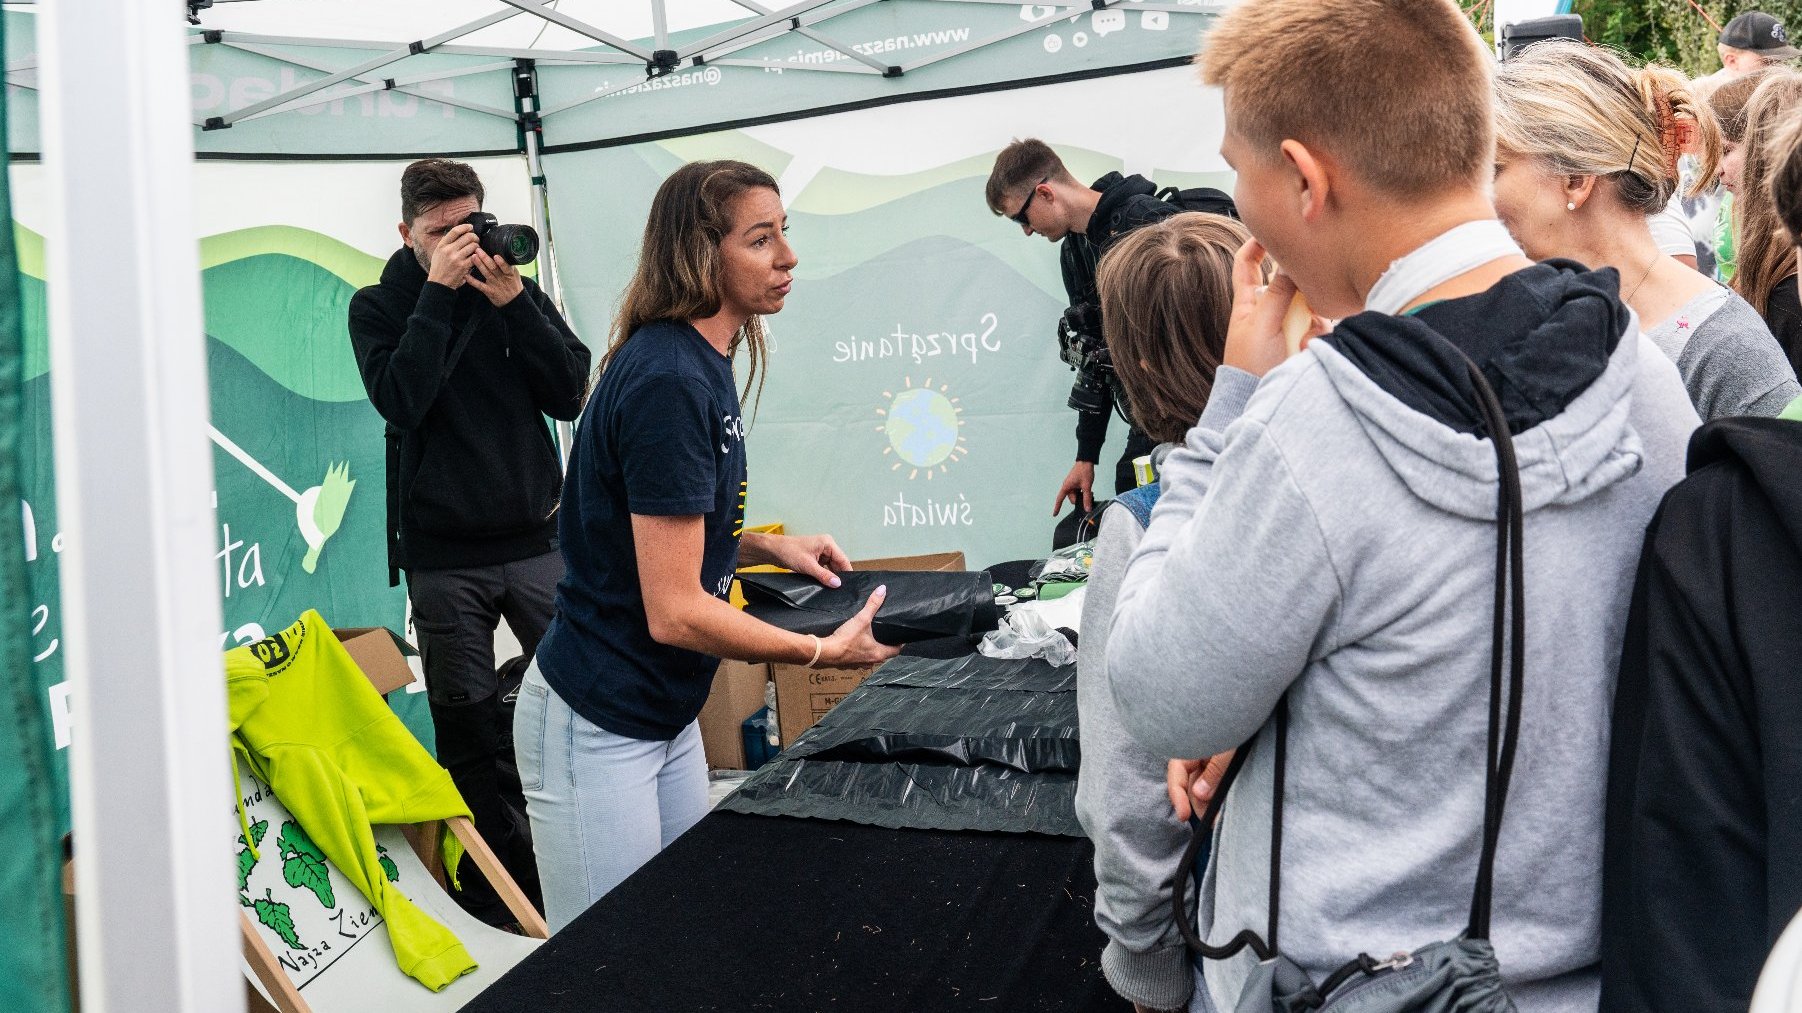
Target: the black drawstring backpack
(1460, 974)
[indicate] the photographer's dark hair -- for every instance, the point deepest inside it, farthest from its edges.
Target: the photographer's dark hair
(678, 275)
(432, 181)
(1166, 297)
(1019, 168)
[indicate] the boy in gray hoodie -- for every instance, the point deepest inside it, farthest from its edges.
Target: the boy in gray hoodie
(1327, 534)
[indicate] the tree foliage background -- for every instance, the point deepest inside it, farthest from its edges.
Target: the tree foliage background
(1672, 32)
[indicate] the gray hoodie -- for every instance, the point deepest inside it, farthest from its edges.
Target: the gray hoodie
(1323, 538)
(1124, 807)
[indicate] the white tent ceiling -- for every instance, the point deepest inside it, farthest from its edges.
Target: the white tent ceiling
(325, 78)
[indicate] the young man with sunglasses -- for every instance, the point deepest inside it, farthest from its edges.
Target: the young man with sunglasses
(1031, 186)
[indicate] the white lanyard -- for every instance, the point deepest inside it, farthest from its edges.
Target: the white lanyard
(1461, 249)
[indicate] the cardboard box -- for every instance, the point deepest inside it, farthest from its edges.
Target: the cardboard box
(381, 654)
(736, 695)
(804, 695)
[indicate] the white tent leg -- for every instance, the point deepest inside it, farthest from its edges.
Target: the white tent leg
(151, 795)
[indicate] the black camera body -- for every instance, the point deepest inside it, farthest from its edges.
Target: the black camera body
(515, 244)
(1080, 345)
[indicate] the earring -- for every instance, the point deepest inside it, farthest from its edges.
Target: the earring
(1570, 205)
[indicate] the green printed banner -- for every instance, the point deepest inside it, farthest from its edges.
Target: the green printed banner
(299, 458)
(33, 968)
(915, 401)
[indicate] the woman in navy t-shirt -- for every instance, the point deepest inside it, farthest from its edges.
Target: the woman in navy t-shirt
(652, 529)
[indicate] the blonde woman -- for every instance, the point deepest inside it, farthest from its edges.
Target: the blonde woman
(1586, 148)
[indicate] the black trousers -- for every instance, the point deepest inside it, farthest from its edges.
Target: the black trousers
(455, 613)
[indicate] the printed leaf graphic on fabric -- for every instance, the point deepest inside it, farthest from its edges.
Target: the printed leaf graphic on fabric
(275, 917)
(246, 860)
(389, 869)
(303, 865)
(320, 511)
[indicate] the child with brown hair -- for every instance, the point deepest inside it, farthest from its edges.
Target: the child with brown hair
(1166, 292)
(1318, 584)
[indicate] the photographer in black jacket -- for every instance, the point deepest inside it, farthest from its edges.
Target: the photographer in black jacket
(464, 359)
(1031, 186)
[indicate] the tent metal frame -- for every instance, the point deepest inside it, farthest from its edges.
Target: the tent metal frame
(800, 18)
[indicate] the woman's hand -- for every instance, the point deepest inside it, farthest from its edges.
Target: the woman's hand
(1191, 783)
(852, 645)
(816, 556)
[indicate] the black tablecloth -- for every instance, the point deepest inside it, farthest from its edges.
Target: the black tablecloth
(769, 913)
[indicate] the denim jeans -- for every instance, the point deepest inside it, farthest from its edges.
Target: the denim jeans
(601, 804)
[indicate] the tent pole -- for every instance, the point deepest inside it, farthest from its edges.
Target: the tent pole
(150, 788)
(531, 131)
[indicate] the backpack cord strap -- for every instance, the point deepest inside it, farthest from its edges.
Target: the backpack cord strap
(1201, 829)
(1510, 582)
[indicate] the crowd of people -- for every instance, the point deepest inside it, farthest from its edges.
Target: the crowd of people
(1300, 631)
(1422, 648)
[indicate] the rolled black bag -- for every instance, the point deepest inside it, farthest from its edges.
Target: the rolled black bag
(921, 604)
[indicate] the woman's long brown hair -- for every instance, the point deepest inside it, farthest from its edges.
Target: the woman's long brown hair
(1166, 296)
(679, 271)
(1764, 255)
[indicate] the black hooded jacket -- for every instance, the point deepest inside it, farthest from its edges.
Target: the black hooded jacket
(478, 478)
(1702, 861)
(1127, 203)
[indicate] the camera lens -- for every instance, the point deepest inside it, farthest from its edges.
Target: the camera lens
(521, 245)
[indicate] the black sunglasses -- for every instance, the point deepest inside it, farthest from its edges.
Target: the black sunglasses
(1020, 215)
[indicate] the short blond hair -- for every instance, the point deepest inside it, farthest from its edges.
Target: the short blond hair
(1397, 91)
(1584, 112)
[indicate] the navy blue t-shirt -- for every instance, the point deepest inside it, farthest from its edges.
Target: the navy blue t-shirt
(662, 435)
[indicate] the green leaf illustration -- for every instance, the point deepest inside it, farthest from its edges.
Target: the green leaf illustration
(303, 865)
(389, 869)
(320, 523)
(258, 831)
(246, 862)
(274, 916)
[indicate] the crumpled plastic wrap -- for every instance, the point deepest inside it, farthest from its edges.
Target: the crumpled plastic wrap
(921, 604)
(969, 743)
(1024, 634)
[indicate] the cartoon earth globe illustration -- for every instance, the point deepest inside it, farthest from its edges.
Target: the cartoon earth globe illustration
(922, 425)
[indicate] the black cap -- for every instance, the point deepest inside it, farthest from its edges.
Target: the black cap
(1759, 33)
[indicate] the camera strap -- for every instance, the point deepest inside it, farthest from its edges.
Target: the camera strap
(393, 437)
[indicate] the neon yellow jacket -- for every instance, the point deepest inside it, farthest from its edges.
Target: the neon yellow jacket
(306, 721)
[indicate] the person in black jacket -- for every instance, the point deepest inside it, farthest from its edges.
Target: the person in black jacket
(464, 358)
(1702, 853)
(1031, 186)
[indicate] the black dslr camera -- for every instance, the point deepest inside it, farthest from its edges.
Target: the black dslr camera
(515, 244)
(1097, 387)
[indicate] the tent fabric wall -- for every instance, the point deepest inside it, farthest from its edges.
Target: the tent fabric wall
(283, 248)
(33, 974)
(915, 399)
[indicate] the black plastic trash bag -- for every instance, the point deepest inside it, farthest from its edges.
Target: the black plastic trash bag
(969, 743)
(921, 604)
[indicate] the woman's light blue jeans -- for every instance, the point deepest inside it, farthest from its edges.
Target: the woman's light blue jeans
(601, 804)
